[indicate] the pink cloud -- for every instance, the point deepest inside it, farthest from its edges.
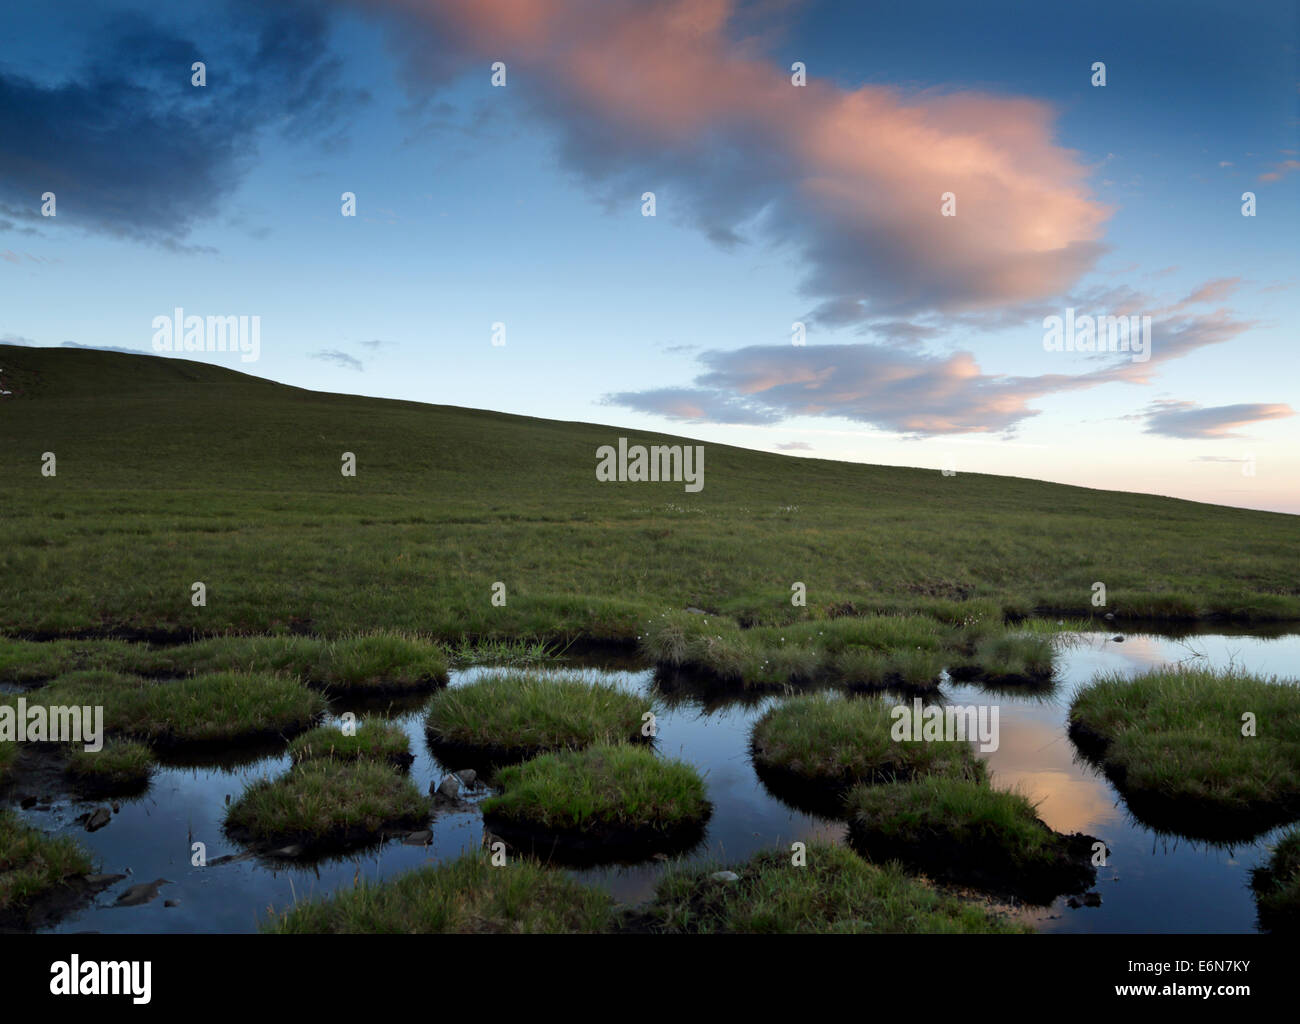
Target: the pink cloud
(658, 95)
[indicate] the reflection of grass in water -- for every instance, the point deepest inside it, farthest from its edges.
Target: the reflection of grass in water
(1277, 886)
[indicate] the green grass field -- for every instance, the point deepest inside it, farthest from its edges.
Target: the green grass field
(171, 472)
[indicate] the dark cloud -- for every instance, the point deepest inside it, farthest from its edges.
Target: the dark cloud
(132, 149)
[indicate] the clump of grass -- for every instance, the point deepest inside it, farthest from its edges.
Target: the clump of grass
(1277, 886)
(211, 710)
(1172, 741)
(368, 663)
(515, 652)
(120, 767)
(28, 661)
(607, 794)
(374, 740)
(835, 892)
(812, 749)
(868, 652)
(465, 896)
(326, 804)
(966, 831)
(508, 716)
(33, 865)
(1012, 659)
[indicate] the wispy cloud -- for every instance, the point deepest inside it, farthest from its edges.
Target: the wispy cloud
(1189, 420)
(338, 358)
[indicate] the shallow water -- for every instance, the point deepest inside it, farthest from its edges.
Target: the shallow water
(1153, 883)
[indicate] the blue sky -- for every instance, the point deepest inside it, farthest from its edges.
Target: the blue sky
(522, 205)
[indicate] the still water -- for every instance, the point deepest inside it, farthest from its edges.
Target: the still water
(1152, 883)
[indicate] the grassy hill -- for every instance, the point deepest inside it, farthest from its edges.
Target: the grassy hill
(171, 471)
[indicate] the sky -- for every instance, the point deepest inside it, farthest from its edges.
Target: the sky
(867, 217)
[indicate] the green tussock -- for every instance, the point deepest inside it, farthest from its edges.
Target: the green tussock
(603, 787)
(373, 740)
(836, 892)
(327, 802)
(33, 864)
(833, 742)
(121, 766)
(215, 709)
(1172, 739)
(465, 896)
(512, 714)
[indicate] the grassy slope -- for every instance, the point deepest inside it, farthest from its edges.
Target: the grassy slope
(172, 471)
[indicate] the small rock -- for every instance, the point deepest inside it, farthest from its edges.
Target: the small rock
(726, 877)
(1118, 639)
(448, 788)
(116, 806)
(661, 856)
(467, 776)
(98, 818)
(1088, 899)
(287, 851)
(171, 903)
(27, 803)
(145, 892)
(697, 611)
(422, 838)
(1109, 616)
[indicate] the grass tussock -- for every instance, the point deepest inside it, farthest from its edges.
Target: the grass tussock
(836, 892)
(325, 804)
(511, 715)
(209, 710)
(120, 767)
(1174, 741)
(373, 740)
(967, 831)
(602, 789)
(1020, 658)
(465, 896)
(33, 865)
(378, 662)
(827, 743)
